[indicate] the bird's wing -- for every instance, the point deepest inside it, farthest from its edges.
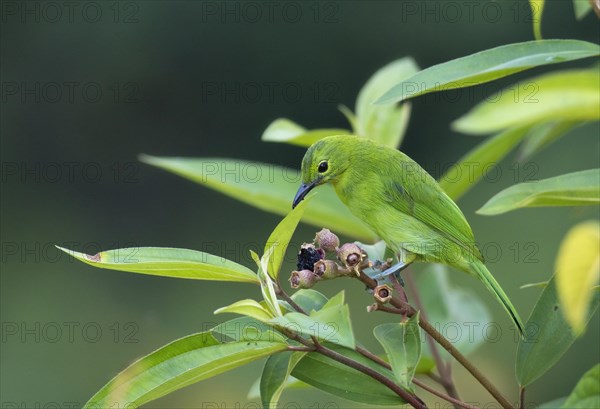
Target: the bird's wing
(417, 194)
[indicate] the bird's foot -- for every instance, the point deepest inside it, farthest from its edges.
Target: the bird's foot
(396, 268)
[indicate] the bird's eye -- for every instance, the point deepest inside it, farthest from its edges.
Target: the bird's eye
(323, 167)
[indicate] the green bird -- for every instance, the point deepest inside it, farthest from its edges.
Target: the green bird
(402, 203)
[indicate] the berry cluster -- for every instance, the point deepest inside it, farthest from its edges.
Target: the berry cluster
(313, 265)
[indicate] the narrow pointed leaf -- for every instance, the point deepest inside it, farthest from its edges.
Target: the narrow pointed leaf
(176, 365)
(168, 262)
(541, 284)
(578, 271)
(402, 344)
(284, 130)
(543, 135)
(465, 174)
(489, 65)
(267, 187)
(587, 391)
(255, 258)
(572, 189)
(267, 286)
(565, 95)
(249, 308)
(340, 380)
(281, 236)
(247, 329)
(537, 8)
(548, 335)
(275, 376)
(385, 124)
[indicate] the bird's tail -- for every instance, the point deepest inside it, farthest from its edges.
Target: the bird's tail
(492, 285)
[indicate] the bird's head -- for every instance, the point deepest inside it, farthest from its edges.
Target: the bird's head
(324, 162)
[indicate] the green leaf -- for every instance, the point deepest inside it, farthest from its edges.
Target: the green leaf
(249, 330)
(338, 319)
(249, 308)
(385, 124)
(267, 187)
(309, 300)
(340, 380)
(168, 262)
(275, 376)
(284, 130)
(402, 344)
(457, 313)
(548, 335)
(488, 65)
(582, 7)
(577, 271)
(463, 175)
(537, 8)
(328, 324)
(267, 286)
(281, 236)
(587, 391)
(570, 95)
(337, 301)
(176, 365)
(541, 284)
(571, 189)
(328, 320)
(543, 135)
(291, 383)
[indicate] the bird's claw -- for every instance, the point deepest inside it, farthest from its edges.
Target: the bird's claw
(396, 268)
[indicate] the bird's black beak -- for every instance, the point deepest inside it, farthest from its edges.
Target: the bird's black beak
(302, 192)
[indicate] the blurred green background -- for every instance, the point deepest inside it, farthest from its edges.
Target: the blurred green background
(88, 87)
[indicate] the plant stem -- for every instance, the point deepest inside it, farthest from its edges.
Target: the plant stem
(444, 368)
(477, 374)
(435, 377)
(385, 308)
(368, 354)
(450, 399)
(439, 338)
(280, 292)
(522, 398)
(316, 346)
(411, 399)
